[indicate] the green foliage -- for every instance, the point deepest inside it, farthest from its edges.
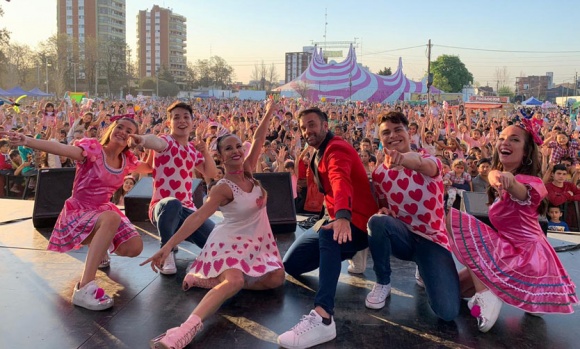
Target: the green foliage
(450, 74)
(505, 91)
(385, 71)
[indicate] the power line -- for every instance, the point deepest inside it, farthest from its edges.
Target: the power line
(393, 50)
(507, 51)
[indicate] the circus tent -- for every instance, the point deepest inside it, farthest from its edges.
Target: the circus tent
(348, 80)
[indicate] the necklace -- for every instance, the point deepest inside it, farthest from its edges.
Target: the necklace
(236, 172)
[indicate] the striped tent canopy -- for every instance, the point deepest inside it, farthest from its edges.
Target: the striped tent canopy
(350, 81)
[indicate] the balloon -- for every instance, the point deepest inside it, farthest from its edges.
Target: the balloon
(137, 108)
(198, 99)
(323, 99)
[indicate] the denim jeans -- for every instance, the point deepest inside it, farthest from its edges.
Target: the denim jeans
(388, 235)
(314, 250)
(169, 214)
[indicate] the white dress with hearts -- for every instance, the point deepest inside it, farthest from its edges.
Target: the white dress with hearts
(243, 240)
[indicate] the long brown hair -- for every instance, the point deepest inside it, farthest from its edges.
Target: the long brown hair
(527, 167)
(247, 174)
(107, 135)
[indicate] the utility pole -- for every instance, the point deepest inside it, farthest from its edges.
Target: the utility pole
(575, 83)
(429, 76)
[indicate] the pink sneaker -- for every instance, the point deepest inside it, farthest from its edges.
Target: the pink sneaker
(178, 337)
(193, 281)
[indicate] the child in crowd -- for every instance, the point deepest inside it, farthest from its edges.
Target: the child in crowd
(456, 181)
(554, 222)
(119, 194)
(88, 216)
(562, 147)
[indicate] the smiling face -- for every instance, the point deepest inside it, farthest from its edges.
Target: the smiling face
(128, 184)
(231, 150)
(313, 129)
(510, 147)
(394, 137)
(180, 122)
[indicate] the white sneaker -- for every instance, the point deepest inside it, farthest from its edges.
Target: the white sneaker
(310, 331)
(169, 267)
(376, 299)
(91, 297)
(486, 307)
(418, 278)
(358, 263)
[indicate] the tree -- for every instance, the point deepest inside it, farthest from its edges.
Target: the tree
(450, 74)
(502, 76)
(302, 88)
(221, 72)
(21, 60)
(166, 75)
(385, 71)
(191, 77)
(505, 91)
(4, 40)
(272, 77)
(203, 72)
(258, 75)
(113, 65)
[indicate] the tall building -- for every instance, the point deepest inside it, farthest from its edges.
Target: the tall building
(161, 43)
(296, 64)
(101, 20)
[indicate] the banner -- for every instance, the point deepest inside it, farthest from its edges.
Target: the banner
(489, 99)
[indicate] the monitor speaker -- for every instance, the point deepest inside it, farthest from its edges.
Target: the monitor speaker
(138, 199)
(53, 187)
(475, 203)
(280, 204)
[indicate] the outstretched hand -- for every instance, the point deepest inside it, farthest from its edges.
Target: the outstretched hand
(393, 158)
(500, 180)
(157, 259)
(15, 138)
(135, 139)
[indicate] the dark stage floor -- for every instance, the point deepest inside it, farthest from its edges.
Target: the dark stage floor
(35, 308)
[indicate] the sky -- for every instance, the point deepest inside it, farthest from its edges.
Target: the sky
(527, 37)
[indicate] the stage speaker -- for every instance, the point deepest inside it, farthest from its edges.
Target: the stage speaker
(53, 187)
(280, 205)
(475, 203)
(138, 199)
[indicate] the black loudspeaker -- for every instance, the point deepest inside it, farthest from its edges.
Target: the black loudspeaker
(53, 187)
(280, 204)
(138, 199)
(475, 203)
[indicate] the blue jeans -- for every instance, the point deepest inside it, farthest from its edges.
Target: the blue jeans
(388, 235)
(319, 250)
(169, 214)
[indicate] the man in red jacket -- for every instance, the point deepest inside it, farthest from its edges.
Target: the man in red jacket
(562, 192)
(349, 203)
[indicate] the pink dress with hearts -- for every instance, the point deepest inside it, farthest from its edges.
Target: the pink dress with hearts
(516, 262)
(94, 184)
(243, 240)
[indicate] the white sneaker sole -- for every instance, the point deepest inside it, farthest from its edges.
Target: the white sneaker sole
(308, 345)
(375, 306)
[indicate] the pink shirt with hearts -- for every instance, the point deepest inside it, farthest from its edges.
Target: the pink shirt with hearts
(415, 199)
(173, 171)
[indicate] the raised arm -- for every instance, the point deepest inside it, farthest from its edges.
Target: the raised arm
(259, 137)
(57, 148)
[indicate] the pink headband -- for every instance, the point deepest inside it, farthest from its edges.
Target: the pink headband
(533, 127)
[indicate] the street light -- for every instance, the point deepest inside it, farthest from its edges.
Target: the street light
(47, 65)
(157, 76)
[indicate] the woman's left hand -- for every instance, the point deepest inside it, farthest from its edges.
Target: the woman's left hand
(501, 180)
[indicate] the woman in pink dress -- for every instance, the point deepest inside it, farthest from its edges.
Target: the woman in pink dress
(88, 217)
(515, 264)
(240, 252)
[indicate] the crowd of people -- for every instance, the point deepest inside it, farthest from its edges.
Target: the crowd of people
(388, 179)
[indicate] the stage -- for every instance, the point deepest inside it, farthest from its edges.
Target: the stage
(35, 308)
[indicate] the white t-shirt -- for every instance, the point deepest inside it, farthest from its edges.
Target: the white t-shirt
(416, 199)
(173, 171)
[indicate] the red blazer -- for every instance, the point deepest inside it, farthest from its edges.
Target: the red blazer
(345, 182)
